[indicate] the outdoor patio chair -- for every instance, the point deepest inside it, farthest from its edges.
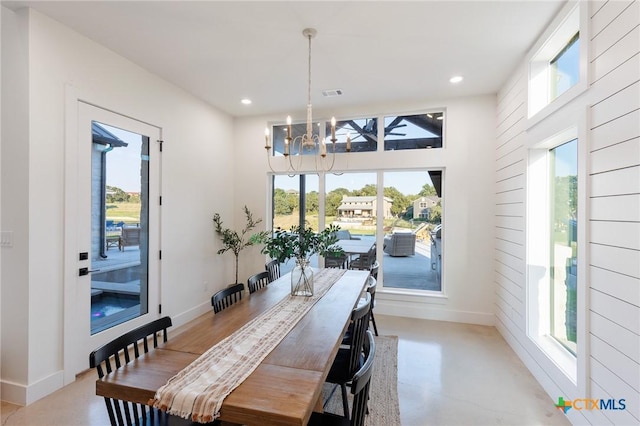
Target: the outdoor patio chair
(130, 236)
(400, 244)
(365, 262)
(341, 262)
(344, 234)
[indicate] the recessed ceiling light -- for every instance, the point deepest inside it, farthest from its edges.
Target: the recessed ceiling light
(246, 101)
(456, 79)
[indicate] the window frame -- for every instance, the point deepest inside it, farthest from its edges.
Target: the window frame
(538, 253)
(572, 19)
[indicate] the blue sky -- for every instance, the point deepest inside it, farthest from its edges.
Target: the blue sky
(123, 164)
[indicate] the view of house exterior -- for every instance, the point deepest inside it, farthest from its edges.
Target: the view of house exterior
(363, 207)
(423, 205)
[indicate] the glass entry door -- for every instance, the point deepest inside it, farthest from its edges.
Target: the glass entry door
(119, 225)
(112, 230)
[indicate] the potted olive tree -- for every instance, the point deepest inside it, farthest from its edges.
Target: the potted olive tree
(236, 241)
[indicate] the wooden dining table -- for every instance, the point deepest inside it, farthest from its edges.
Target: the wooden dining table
(285, 387)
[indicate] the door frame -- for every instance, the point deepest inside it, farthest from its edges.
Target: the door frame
(75, 360)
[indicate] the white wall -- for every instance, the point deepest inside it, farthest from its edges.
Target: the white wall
(468, 201)
(611, 309)
(15, 165)
(195, 171)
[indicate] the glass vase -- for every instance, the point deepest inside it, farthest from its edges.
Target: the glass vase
(302, 279)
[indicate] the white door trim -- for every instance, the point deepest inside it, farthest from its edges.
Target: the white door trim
(74, 358)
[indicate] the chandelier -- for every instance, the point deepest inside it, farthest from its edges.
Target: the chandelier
(294, 147)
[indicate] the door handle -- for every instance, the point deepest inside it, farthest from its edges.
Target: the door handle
(86, 271)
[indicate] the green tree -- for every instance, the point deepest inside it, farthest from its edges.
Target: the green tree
(281, 205)
(566, 200)
(116, 195)
(427, 190)
(333, 201)
(366, 191)
(400, 201)
(436, 213)
(293, 199)
(312, 202)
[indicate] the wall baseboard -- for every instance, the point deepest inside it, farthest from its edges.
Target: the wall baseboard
(190, 314)
(437, 312)
(20, 394)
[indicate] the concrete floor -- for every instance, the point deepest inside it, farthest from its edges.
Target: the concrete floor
(448, 374)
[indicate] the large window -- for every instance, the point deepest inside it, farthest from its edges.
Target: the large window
(552, 248)
(408, 211)
(412, 245)
(400, 132)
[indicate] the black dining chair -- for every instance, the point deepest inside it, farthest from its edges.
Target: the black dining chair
(341, 262)
(273, 268)
(364, 261)
(258, 281)
(227, 297)
(121, 351)
(371, 289)
(360, 385)
(372, 283)
(374, 269)
(348, 359)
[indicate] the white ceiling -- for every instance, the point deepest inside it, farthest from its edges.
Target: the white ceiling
(376, 52)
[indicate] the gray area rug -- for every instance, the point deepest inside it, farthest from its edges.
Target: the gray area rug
(384, 408)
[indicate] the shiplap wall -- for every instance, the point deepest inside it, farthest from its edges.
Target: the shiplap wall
(614, 205)
(612, 102)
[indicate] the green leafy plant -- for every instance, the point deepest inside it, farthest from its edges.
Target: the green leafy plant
(236, 242)
(301, 243)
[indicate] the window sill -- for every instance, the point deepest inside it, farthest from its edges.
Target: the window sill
(557, 104)
(560, 356)
(435, 297)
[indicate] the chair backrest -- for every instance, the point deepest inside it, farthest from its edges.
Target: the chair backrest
(131, 236)
(258, 281)
(374, 269)
(110, 357)
(370, 258)
(336, 261)
(361, 382)
(273, 268)
(343, 234)
(359, 325)
(227, 297)
(365, 261)
(401, 244)
(372, 283)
